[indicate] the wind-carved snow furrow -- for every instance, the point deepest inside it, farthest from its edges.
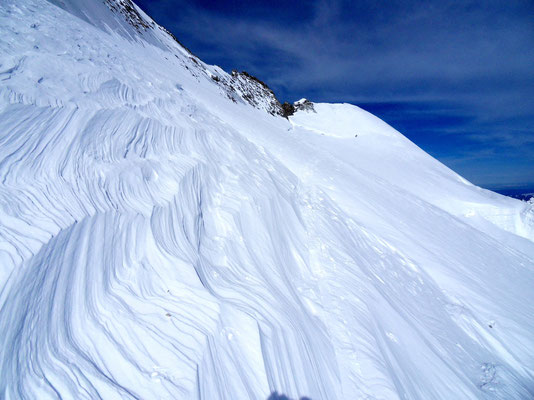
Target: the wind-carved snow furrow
(425, 300)
(219, 279)
(113, 92)
(127, 147)
(95, 179)
(160, 241)
(79, 287)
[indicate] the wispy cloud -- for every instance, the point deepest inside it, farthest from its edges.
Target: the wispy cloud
(439, 71)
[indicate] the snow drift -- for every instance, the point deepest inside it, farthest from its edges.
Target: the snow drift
(166, 234)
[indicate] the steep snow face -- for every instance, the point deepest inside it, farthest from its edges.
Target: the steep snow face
(125, 19)
(371, 145)
(161, 241)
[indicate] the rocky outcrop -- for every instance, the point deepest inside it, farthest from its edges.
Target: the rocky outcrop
(303, 105)
(130, 13)
(242, 86)
(251, 90)
(238, 86)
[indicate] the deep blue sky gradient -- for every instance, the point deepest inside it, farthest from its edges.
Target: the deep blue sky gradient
(456, 77)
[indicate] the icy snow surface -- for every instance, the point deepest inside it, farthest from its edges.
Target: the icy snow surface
(160, 241)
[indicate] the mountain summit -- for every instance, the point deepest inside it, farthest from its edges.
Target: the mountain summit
(170, 231)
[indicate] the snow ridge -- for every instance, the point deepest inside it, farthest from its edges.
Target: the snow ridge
(159, 240)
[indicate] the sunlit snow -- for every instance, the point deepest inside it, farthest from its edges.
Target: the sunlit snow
(162, 240)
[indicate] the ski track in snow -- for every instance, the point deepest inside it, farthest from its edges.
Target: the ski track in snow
(159, 241)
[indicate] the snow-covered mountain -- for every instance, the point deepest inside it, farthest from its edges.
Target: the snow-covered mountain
(165, 233)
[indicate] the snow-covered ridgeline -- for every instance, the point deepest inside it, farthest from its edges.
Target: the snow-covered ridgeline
(158, 240)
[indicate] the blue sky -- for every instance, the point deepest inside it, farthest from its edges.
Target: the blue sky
(456, 77)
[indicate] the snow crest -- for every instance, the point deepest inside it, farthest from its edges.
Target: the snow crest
(158, 240)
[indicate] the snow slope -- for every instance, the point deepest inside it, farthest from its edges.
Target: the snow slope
(160, 239)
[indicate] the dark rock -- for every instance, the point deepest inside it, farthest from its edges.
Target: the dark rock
(287, 109)
(132, 16)
(304, 105)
